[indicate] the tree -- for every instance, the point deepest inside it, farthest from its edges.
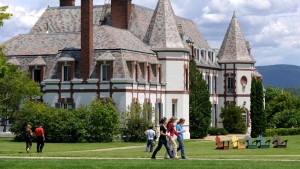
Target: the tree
(200, 105)
(271, 92)
(286, 119)
(4, 15)
(281, 102)
(233, 120)
(137, 119)
(16, 88)
(258, 116)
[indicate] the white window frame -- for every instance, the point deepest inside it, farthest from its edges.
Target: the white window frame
(107, 73)
(63, 73)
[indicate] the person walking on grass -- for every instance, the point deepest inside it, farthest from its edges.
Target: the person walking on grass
(150, 138)
(179, 128)
(173, 132)
(40, 138)
(162, 139)
(28, 137)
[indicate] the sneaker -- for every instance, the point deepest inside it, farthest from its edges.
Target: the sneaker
(166, 158)
(27, 150)
(153, 158)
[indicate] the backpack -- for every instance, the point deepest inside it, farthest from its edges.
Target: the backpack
(27, 134)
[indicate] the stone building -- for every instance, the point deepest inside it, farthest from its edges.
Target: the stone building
(134, 55)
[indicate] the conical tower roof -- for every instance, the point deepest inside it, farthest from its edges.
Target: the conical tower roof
(162, 32)
(234, 47)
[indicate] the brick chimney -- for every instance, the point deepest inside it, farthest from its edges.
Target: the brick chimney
(120, 13)
(86, 38)
(67, 3)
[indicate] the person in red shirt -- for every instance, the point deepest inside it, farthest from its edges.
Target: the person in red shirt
(40, 138)
(172, 132)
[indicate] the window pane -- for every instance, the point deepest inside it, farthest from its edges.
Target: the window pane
(37, 75)
(142, 69)
(67, 73)
(105, 72)
(230, 87)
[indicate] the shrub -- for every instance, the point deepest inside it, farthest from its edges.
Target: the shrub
(282, 132)
(216, 130)
(232, 119)
(137, 119)
(98, 122)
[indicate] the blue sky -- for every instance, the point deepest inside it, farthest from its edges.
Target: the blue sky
(271, 26)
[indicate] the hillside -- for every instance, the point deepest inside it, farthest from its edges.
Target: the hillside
(280, 75)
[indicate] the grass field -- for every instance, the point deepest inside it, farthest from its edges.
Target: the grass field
(200, 153)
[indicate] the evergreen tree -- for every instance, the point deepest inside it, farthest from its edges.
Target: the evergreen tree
(258, 116)
(200, 105)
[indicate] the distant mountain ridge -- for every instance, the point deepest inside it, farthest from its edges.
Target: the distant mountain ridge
(280, 75)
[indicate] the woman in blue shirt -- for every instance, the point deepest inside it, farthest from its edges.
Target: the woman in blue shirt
(180, 130)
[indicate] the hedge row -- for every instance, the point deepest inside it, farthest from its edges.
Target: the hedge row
(215, 130)
(282, 132)
(97, 122)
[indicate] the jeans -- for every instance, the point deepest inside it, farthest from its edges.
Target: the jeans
(181, 147)
(149, 144)
(40, 143)
(160, 143)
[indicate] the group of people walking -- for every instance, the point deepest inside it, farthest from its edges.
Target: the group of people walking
(40, 138)
(167, 138)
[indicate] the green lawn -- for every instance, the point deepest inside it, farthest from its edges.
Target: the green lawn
(201, 154)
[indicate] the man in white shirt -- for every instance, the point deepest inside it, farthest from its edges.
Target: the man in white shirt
(150, 138)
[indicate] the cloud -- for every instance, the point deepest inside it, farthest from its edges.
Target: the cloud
(21, 22)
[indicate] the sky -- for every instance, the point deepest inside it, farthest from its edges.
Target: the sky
(271, 26)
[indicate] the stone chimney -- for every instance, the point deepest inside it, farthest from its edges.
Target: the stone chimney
(120, 13)
(86, 38)
(67, 3)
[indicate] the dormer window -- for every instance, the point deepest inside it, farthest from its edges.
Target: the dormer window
(105, 64)
(37, 68)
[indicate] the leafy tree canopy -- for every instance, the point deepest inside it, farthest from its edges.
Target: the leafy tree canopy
(4, 15)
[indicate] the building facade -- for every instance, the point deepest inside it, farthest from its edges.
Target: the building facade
(132, 54)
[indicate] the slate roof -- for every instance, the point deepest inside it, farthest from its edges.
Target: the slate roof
(38, 61)
(162, 31)
(105, 37)
(234, 47)
(14, 61)
(257, 74)
(106, 56)
(67, 19)
(39, 44)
